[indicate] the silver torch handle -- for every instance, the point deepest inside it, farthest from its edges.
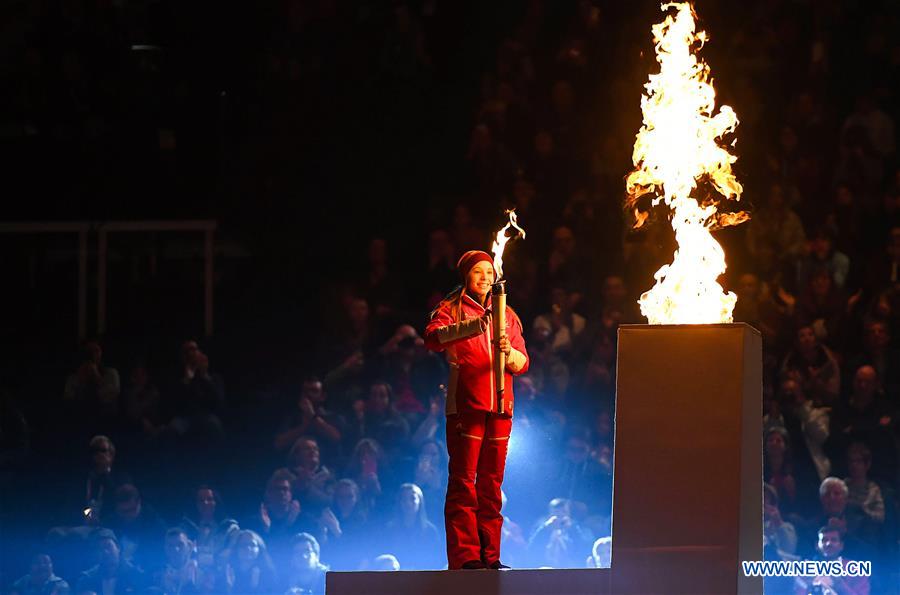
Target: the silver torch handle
(498, 307)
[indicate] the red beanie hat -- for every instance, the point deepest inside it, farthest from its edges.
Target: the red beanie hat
(470, 259)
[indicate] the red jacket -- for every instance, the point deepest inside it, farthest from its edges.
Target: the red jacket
(467, 344)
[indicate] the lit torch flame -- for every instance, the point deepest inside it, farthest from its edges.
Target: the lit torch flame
(500, 242)
(678, 144)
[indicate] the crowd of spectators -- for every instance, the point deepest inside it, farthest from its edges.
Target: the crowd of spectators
(345, 467)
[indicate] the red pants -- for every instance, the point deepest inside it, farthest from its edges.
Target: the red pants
(477, 442)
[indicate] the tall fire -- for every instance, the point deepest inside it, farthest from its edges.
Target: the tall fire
(680, 145)
(503, 236)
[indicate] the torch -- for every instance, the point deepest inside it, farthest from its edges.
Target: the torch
(498, 303)
(498, 306)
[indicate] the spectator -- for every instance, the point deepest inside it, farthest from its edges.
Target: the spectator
(881, 226)
(40, 580)
(777, 532)
(867, 417)
(384, 423)
(280, 515)
(601, 433)
(559, 541)
(881, 355)
(363, 468)
(141, 402)
(314, 483)
(430, 475)
(864, 494)
(615, 298)
(410, 368)
(351, 347)
(306, 573)
(767, 307)
(814, 366)
(830, 547)
(529, 406)
(139, 528)
(845, 224)
(563, 269)
(882, 307)
(435, 421)
(778, 470)
(775, 231)
(594, 355)
(561, 324)
(112, 574)
(313, 418)
(600, 371)
(207, 527)
(196, 398)
(348, 551)
(808, 425)
(875, 124)
(102, 481)
(249, 569)
(823, 256)
(822, 307)
(860, 533)
(409, 534)
(788, 156)
(93, 387)
(551, 371)
(579, 478)
(885, 271)
(181, 572)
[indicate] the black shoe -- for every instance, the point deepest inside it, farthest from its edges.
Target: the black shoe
(473, 565)
(498, 565)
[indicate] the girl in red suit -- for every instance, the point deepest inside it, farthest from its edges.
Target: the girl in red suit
(478, 429)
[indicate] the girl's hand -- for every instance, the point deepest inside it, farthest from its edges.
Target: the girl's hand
(503, 344)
